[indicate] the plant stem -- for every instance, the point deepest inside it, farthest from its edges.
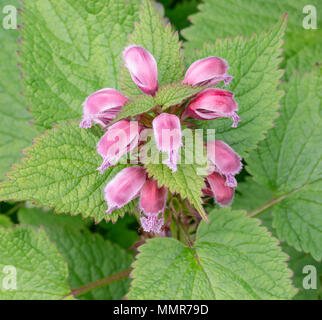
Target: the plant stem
(98, 283)
(14, 209)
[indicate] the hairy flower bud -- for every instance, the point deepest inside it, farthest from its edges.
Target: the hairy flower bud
(207, 71)
(119, 139)
(102, 107)
(167, 133)
(224, 160)
(142, 67)
(222, 194)
(212, 104)
(124, 187)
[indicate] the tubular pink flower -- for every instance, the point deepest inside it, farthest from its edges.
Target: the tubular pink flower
(224, 160)
(207, 71)
(153, 199)
(152, 224)
(124, 187)
(119, 139)
(222, 194)
(142, 67)
(212, 104)
(102, 107)
(167, 133)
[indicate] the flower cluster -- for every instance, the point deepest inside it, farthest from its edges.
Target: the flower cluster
(122, 137)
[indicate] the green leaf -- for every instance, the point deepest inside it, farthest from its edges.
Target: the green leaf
(89, 256)
(41, 272)
(173, 94)
(16, 133)
(230, 18)
(138, 105)
(186, 181)
(254, 64)
(232, 258)
(70, 50)
(5, 221)
(160, 40)
(60, 171)
(289, 163)
(38, 217)
(251, 196)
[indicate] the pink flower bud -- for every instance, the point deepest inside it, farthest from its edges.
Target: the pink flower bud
(124, 187)
(207, 71)
(102, 107)
(119, 139)
(211, 104)
(224, 160)
(223, 194)
(142, 67)
(167, 133)
(152, 201)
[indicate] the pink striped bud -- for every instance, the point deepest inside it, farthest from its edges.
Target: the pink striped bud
(167, 133)
(119, 139)
(102, 107)
(142, 67)
(124, 187)
(224, 160)
(207, 71)
(212, 104)
(152, 201)
(222, 194)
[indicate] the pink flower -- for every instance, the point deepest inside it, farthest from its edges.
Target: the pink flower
(102, 107)
(142, 67)
(207, 71)
(124, 187)
(119, 139)
(152, 201)
(224, 160)
(222, 194)
(167, 133)
(211, 104)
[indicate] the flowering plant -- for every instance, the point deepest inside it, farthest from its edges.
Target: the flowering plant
(147, 159)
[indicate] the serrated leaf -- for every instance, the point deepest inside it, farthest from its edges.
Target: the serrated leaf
(160, 40)
(41, 272)
(16, 133)
(89, 257)
(230, 18)
(289, 163)
(232, 258)
(70, 50)
(60, 171)
(138, 105)
(173, 94)
(186, 181)
(254, 64)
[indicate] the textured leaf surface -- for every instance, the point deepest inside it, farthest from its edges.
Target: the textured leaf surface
(60, 171)
(254, 64)
(289, 163)
(160, 40)
(173, 94)
(230, 18)
(70, 50)
(138, 105)
(40, 269)
(15, 131)
(89, 256)
(186, 181)
(233, 258)
(5, 221)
